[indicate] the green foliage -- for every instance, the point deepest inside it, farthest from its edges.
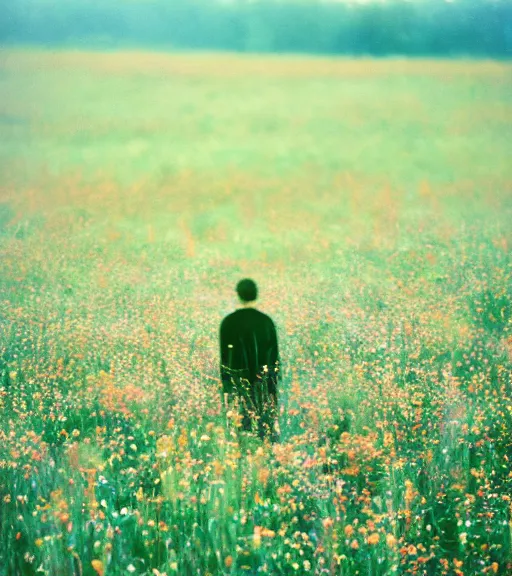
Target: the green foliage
(379, 253)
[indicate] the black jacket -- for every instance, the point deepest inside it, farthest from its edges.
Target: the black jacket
(248, 350)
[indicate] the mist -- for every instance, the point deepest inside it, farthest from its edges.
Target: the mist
(479, 28)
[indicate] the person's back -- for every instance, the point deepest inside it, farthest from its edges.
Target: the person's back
(250, 359)
(249, 343)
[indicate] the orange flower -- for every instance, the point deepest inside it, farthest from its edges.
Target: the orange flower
(257, 536)
(390, 540)
(373, 538)
(349, 530)
(98, 567)
(327, 522)
(228, 561)
(263, 475)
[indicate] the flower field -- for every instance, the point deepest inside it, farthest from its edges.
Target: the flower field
(370, 200)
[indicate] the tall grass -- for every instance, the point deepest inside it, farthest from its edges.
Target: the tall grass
(369, 200)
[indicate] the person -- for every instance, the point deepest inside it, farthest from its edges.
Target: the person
(249, 362)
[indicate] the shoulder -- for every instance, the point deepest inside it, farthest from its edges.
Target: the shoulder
(229, 319)
(226, 320)
(265, 318)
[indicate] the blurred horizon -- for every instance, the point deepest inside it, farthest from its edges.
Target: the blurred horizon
(438, 28)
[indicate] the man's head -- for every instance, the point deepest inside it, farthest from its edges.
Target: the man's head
(247, 290)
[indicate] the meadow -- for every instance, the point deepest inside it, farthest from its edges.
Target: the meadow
(370, 200)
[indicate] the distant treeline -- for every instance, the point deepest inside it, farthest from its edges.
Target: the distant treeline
(424, 27)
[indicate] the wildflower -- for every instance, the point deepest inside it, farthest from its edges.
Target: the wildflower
(256, 537)
(182, 440)
(390, 540)
(373, 538)
(98, 567)
(228, 561)
(263, 475)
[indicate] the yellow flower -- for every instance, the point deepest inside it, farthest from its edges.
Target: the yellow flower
(98, 567)
(256, 537)
(390, 540)
(182, 440)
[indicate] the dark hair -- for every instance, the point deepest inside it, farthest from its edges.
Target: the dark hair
(247, 290)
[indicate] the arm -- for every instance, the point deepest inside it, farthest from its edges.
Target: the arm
(274, 365)
(224, 359)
